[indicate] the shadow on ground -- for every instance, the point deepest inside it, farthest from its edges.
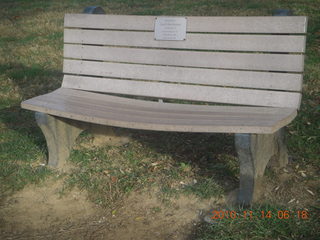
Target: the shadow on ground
(211, 155)
(29, 82)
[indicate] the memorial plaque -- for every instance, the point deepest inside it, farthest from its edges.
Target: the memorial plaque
(170, 28)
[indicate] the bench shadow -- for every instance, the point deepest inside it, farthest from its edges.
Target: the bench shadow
(31, 81)
(22, 122)
(211, 155)
(21, 83)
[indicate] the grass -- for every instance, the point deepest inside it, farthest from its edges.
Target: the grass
(21, 148)
(109, 173)
(31, 52)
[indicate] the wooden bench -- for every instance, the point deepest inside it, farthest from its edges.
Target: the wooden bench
(252, 65)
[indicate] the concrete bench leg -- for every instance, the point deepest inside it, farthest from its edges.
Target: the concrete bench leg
(254, 152)
(60, 135)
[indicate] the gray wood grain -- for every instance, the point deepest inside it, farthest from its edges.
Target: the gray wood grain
(84, 106)
(267, 24)
(185, 92)
(228, 60)
(230, 42)
(218, 77)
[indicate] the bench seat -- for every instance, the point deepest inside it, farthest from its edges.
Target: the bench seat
(150, 115)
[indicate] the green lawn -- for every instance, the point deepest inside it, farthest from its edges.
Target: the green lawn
(31, 50)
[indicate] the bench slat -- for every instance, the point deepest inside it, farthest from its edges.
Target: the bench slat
(272, 24)
(77, 105)
(129, 103)
(171, 114)
(185, 92)
(246, 61)
(230, 42)
(249, 79)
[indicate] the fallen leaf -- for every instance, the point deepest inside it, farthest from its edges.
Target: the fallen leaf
(309, 191)
(155, 163)
(292, 200)
(114, 179)
(139, 218)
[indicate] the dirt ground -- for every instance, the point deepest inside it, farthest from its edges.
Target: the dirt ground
(40, 212)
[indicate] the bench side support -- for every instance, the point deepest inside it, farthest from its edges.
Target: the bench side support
(60, 135)
(254, 152)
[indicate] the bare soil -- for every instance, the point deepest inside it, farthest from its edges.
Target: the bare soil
(40, 212)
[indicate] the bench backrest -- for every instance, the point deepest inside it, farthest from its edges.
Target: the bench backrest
(254, 61)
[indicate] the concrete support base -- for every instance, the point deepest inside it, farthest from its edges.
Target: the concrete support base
(254, 152)
(61, 133)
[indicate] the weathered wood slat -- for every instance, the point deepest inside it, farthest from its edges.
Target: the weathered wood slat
(230, 42)
(246, 61)
(168, 110)
(249, 79)
(185, 92)
(270, 24)
(169, 107)
(220, 120)
(149, 114)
